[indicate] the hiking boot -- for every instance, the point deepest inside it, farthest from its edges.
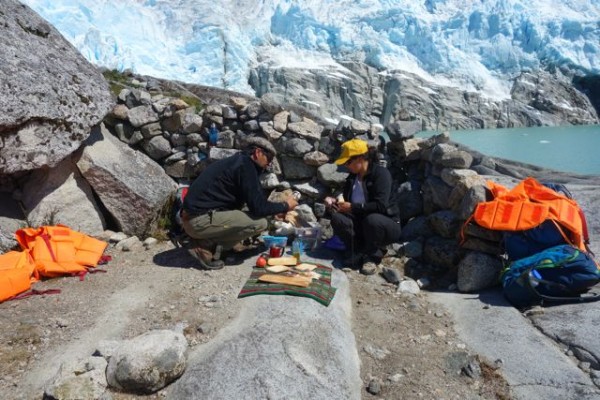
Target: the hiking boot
(354, 261)
(180, 239)
(206, 256)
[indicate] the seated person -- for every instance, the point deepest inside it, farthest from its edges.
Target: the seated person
(364, 219)
(212, 214)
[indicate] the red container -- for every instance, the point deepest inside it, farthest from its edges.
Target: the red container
(276, 251)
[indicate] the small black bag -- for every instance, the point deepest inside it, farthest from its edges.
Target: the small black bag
(176, 233)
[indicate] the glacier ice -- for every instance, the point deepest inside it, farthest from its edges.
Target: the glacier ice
(464, 43)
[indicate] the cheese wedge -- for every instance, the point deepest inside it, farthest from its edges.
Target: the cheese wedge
(282, 261)
(305, 267)
(309, 274)
(277, 268)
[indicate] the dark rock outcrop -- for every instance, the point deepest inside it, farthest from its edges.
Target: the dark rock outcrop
(537, 98)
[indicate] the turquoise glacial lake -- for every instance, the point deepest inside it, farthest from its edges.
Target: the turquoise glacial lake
(566, 148)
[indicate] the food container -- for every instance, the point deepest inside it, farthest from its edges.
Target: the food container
(309, 236)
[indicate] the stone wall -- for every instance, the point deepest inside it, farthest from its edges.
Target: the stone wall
(436, 181)
(153, 139)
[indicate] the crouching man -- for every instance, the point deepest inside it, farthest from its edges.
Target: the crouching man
(212, 210)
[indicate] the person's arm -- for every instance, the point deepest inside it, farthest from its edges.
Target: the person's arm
(254, 196)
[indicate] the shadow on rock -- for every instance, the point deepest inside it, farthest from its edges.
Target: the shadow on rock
(493, 297)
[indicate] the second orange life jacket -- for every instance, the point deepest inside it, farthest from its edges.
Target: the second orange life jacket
(529, 204)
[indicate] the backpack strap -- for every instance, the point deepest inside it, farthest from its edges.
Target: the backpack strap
(563, 234)
(104, 259)
(88, 270)
(34, 292)
(463, 229)
(586, 233)
(46, 239)
(556, 299)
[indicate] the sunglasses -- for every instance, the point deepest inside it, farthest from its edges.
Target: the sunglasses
(268, 154)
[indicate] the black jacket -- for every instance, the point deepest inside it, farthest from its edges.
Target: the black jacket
(377, 186)
(228, 184)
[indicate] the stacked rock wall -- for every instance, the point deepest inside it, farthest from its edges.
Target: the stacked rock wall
(435, 181)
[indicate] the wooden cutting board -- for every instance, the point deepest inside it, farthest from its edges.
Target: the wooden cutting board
(301, 281)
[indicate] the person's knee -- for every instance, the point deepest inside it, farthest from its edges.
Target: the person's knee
(336, 218)
(191, 231)
(382, 229)
(340, 221)
(257, 226)
(374, 221)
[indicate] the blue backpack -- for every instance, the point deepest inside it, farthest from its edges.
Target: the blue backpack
(521, 244)
(560, 274)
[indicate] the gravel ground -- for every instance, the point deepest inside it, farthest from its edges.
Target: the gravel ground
(407, 346)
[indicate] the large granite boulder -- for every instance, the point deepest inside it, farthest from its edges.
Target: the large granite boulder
(60, 195)
(284, 348)
(131, 186)
(51, 95)
(11, 219)
(147, 362)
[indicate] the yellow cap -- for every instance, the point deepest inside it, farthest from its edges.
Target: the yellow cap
(351, 148)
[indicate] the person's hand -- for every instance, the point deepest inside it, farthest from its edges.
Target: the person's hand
(330, 203)
(291, 202)
(344, 207)
(280, 217)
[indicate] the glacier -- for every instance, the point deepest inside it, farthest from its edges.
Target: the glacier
(475, 45)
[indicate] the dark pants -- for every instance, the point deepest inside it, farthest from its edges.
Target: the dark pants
(366, 234)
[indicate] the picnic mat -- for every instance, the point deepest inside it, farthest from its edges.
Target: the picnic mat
(319, 289)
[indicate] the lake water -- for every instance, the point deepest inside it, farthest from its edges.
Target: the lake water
(567, 148)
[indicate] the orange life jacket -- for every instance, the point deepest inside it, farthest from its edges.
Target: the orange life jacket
(16, 270)
(48, 251)
(529, 204)
(59, 250)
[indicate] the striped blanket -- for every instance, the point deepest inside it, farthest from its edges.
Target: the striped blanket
(319, 290)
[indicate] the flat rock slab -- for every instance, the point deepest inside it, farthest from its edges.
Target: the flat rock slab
(279, 347)
(575, 326)
(534, 365)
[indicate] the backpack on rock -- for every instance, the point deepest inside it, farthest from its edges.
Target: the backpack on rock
(527, 206)
(560, 274)
(545, 240)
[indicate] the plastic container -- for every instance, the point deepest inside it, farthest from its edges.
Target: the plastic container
(270, 241)
(310, 236)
